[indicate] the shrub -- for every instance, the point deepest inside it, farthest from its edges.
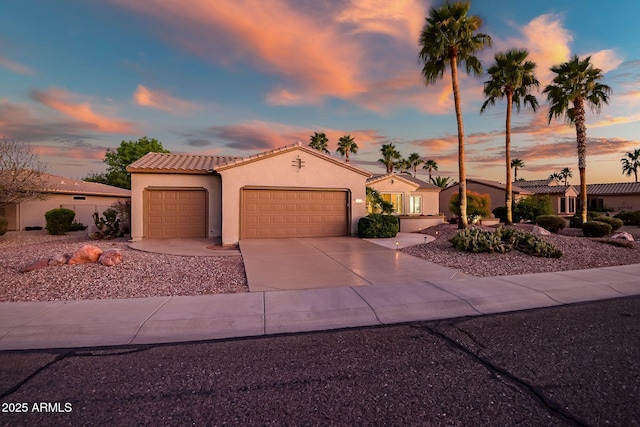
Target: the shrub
(4, 225)
(596, 229)
(77, 226)
(530, 208)
(503, 240)
(477, 204)
(377, 225)
(629, 218)
(123, 208)
(615, 223)
(576, 220)
(109, 226)
(553, 223)
(59, 220)
(501, 213)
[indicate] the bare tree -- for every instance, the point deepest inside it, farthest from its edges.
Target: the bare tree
(22, 174)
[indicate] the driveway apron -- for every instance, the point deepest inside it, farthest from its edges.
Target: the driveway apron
(329, 262)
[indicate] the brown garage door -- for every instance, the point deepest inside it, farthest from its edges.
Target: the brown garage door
(271, 213)
(176, 214)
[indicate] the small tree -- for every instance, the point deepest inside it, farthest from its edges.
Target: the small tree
(478, 205)
(22, 174)
(123, 156)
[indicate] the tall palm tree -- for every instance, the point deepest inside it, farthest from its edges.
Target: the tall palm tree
(414, 161)
(516, 164)
(430, 165)
(402, 165)
(556, 177)
(318, 141)
(448, 38)
(346, 145)
(441, 181)
(511, 78)
(631, 163)
(576, 83)
(565, 174)
(389, 156)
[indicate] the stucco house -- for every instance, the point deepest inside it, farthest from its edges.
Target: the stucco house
(84, 198)
(293, 191)
(563, 197)
(409, 195)
(619, 196)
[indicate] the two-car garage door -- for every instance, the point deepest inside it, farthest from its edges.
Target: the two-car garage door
(276, 213)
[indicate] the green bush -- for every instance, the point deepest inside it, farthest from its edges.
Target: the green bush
(4, 225)
(77, 226)
(596, 229)
(615, 223)
(108, 227)
(530, 208)
(477, 204)
(501, 213)
(377, 225)
(553, 223)
(503, 240)
(576, 220)
(629, 218)
(59, 220)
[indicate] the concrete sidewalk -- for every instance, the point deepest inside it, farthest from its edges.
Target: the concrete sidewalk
(41, 325)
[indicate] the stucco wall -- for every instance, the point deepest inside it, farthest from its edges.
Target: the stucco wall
(280, 171)
(211, 183)
(430, 198)
(31, 213)
(628, 203)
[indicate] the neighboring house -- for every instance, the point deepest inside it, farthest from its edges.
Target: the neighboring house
(293, 191)
(620, 196)
(409, 195)
(563, 197)
(495, 190)
(84, 198)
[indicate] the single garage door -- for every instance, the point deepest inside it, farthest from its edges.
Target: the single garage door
(271, 213)
(176, 213)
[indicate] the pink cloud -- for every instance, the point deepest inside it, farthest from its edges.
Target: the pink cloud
(71, 153)
(16, 67)
(66, 103)
(162, 101)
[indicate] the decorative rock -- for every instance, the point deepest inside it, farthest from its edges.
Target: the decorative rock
(59, 259)
(539, 231)
(623, 235)
(36, 265)
(110, 257)
(87, 253)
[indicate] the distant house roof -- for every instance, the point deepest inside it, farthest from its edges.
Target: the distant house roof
(495, 184)
(61, 185)
(551, 189)
(536, 183)
(422, 185)
(178, 163)
(202, 164)
(617, 188)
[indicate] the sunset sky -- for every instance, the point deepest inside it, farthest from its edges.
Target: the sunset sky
(236, 77)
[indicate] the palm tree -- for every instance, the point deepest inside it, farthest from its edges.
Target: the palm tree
(441, 181)
(430, 166)
(631, 163)
(576, 83)
(414, 161)
(346, 145)
(556, 177)
(389, 156)
(516, 164)
(512, 78)
(319, 142)
(448, 38)
(565, 174)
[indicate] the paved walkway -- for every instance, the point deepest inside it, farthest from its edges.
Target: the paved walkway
(435, 292)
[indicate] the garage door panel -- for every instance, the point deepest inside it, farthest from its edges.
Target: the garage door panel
(272, 213)
(176, 213)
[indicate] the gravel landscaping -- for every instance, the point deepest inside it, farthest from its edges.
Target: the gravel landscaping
(578, 253)
(143, 274)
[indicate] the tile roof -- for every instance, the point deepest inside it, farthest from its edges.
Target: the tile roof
(534, 183)
(615, 188)
(495, 184)
(62, 185)
(551, 189)
(178, 163)
(420, 183)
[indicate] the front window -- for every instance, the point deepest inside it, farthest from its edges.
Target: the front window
(563, 205)
(415, 204)
(395, 199)
(572, 204)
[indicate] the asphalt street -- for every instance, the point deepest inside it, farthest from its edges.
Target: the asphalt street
(569, 365)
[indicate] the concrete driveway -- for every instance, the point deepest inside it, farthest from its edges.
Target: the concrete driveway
(329, 262)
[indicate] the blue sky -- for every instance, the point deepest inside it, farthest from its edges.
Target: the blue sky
(236, 77)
